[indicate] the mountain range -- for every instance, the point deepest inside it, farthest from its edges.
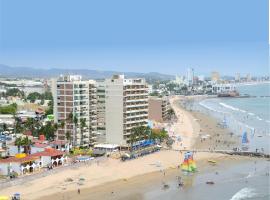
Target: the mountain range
(29, 72)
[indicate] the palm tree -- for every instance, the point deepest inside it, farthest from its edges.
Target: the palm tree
(62, 124)
(137, 133)
(30, 124)
(26, 143)
(18, 143)
(82, 125)
(68, 136)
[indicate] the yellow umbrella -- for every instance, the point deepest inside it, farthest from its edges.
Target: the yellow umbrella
(4, 198)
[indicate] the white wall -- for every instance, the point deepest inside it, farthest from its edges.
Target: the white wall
(114, 111)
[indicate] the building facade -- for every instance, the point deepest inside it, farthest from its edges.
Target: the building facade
(101, 127)
(215, 77)
(126, 102)
(158, 109)
(75, 98)
(190, 76)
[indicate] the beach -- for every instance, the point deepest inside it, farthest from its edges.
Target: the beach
(102, 177)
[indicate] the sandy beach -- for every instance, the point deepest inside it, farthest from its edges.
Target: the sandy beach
(189, 126)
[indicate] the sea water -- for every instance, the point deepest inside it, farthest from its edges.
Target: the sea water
(251, 115)
(247, 180)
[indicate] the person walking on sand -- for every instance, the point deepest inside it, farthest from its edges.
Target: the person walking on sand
(79, 191)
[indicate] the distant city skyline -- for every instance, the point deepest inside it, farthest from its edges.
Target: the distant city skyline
(154, 36)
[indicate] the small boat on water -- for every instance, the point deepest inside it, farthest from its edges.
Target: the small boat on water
(212, 161)
(210, 182)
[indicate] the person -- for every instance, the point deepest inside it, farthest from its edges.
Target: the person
(79, 191)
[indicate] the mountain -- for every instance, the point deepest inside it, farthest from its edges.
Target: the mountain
(29, 72)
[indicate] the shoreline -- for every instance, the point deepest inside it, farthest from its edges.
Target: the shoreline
(134, 186)
(189, 125)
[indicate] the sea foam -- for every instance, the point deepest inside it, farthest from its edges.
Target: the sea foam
(244, 193)
(231, 107)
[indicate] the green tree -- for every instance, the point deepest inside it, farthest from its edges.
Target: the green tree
(49, 130)
(15, 92)
(32, 97)
(26, 143)
(18, 143)
(10, 109)
(49, 111)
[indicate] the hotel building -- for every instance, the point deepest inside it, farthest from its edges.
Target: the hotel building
(158, 108)
(73, 95)
(126, 102)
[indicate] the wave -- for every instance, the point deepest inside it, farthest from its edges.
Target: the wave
(231, 107)
(210, 108)
(244, 193)
(251, 174)
(259, 118)
(251, 114)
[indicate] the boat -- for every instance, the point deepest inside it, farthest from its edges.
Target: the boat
(210, 182)
(212, 161)
(228, 94)
(188, 164)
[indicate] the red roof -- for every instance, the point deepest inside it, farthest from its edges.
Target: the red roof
(49, 152)
(39, 110)
(28, 158)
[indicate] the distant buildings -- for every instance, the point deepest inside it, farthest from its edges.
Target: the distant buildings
(158, 108)
(180, 80)
(77, 98)
(248, 78)
(215, 77)
(190, 76)
(223, 88)
(126, 103)
(237, 77)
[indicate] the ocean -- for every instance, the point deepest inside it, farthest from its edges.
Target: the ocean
(246, 180)
(251, 115)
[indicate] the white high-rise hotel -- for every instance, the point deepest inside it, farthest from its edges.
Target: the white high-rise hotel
(111, 108)
(126, 103)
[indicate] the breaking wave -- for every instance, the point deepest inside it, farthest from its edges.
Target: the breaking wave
(244, 193)
(231, 107)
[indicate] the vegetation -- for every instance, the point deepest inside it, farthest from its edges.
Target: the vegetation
(80, 151)
(10, 109)
(141, 132)
(32, 97)
(15, 92)
(49, 111)
(25, 143)
(48, 130)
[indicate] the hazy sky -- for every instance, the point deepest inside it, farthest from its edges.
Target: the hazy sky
(140, 35)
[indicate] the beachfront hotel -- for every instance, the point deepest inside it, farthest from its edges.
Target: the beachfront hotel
(158, 108)
(73, 95)
(101, 111)
(126, 102)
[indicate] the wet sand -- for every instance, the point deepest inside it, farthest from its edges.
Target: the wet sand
(135, 187)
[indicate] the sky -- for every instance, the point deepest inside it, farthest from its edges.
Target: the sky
(166, 36)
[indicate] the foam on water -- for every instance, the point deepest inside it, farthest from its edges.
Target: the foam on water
(231, 107)
(244, 193)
